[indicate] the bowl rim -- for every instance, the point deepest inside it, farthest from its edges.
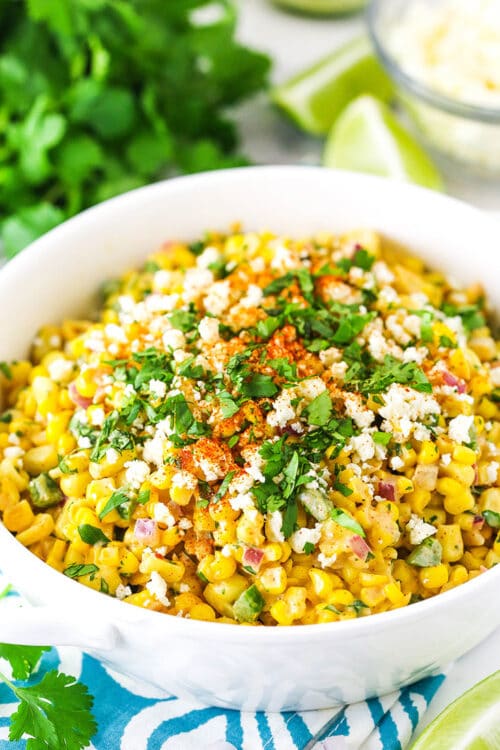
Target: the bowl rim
(466, 110)
(359, 627)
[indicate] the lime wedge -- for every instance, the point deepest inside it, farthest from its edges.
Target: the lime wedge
(367, 137)
(315, 97)
(472, 722)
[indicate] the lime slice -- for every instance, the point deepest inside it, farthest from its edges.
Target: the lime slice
(315, 97)
(472, 722)
(322, 6)
(367, 137)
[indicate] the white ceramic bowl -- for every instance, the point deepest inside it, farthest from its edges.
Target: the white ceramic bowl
(306, 667)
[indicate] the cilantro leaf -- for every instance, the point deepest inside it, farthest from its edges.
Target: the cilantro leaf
(77, 570)
(320, 409)
(55, 714)
(91, 534)
(119, 497)
(391, 370)
(224, 485)
(23, 659)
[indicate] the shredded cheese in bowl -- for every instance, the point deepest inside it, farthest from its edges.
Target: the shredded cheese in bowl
(262, 430)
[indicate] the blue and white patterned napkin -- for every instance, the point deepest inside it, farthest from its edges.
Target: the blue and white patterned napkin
(133, 715)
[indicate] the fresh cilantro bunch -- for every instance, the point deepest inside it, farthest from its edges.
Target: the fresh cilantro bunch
(101, 96)
(54, 713)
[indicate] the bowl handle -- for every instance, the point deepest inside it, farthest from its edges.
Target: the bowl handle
(53, 626)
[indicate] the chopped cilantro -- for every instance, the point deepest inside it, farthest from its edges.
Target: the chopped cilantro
(284, 368)
(382, 438)
(320, 409)
(224, 485)
(91, 534)
(472, 316)
(117, 499)
(5, 370)
(233, 440)
(363, 259)
(358, 606)
(342, 488)
(77, 570)
(308, 548)
(183, 320)
(143, 497)
(265, 328)
(391, 370)
(447, 342)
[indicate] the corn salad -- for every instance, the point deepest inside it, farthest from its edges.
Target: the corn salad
(261, 430)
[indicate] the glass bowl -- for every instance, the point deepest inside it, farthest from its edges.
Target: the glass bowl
(465, 132)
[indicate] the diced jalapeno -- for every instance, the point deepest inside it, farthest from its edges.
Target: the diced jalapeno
(44, 491)
(316, 504)
(428, 553)
(492, 518)
(248, 605)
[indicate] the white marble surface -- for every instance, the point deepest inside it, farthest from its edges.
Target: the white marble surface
(294, 42)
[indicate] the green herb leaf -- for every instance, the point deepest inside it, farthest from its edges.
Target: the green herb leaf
(347, 521)
(224, 485)
(23, 660)
(382, 438)
(320, 409)
(77, 570)
(5, 370)
(308, 548)
(492, 518)
(91, 534)
(119, 497)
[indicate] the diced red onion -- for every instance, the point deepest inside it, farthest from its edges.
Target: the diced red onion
(425, 476)
(387, 489)
(252, 558)
(76, 398)
(453, 381)
(359, 546)
(146, 530)
(478, 522)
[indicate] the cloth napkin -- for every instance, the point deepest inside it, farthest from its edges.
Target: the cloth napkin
(133, 715)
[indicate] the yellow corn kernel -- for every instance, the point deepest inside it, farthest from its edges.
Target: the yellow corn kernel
(18, 517)
(393, 592)
(86, 384)
(434, 577)
(9, 493)
(56, 426)
(182, 487)
(464, 455)
(490, 499)
(459, 503)
(428, 453)
(272, 580)
(372, 579)
(487, 409)
(460, 472)
(56, 555)
(41, 459)
(372, 595)
(75, 485)
(184, 602)
(222, 511)
(41, 528)
(404, 485)
(20, 478)
(171, 537)
(128, 564)
(459, 364)
(292, 607)
(170, 570)
(450, 538)
(141, 599)
(341, 596)
(110, 464)
(46, 394)
(419, 499)
(221, 595)
(202, 611)
(248, 528)
(73, 555)
(217, 567)
(272, 552)
(322, 583)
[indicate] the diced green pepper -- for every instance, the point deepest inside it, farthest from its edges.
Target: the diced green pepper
(317, 504)
(44, 492)
(248, 605)
(428, 553)
(492, 518)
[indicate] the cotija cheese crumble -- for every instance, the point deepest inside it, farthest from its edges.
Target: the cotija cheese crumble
(261, 430)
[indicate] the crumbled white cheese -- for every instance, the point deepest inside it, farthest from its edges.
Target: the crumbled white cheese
(495, 375)
(174, 339)
(363, 445)
(446, 459)
(162, 280)
(383, 274)
(112, 456)
(208, 257)
(162, 514)
(492, 472)
(217, 299)
(185, 524)
(209, 330)
(415, 354)
(253, 297)
(419, 529)
(254, 463)
(338, 370)
(362, 416)
(60, 369)
(161, 303)
(404, 408)
(157, 388)
(196, 280)
(305, 536)
(122, 591)
(115, 333)
(330, 356)
(283, 259)
(84, 442)
(459, 428)
(157, 587)
(282, 411)
(275, 522)
(153, 450)
(310, 388)
(325, 561)
(184, 479)
(97, 416)
(13, 452)
(396, 463)
(397, 330)
(136, 472)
